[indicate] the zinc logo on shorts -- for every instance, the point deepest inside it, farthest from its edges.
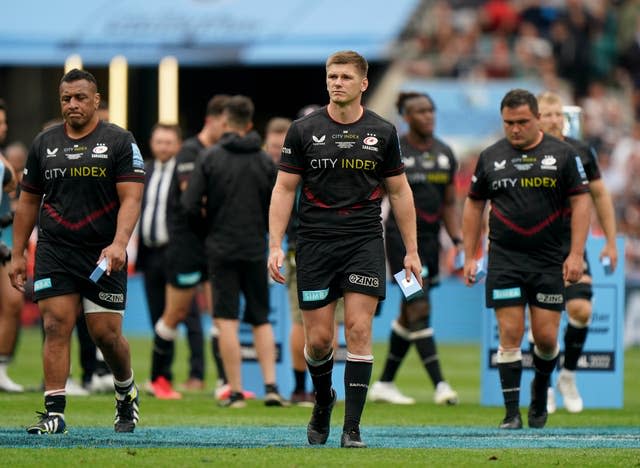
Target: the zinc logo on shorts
(549, 298)
(116, 298)
(363, 280)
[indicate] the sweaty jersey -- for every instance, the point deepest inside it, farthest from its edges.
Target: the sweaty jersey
(177, 219)
(429, 173)
(343, 167)
(528, 192)
(77, 179)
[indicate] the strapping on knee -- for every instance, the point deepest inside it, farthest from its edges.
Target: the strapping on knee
(506, 355)
(367, 358)
(423, 333)
(164, 331)
(317, 362)
(578, 324)
(546, 356)
(400, 330)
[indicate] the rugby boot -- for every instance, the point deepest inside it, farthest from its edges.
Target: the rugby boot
(351, 439)
(49, 423)
(569, 391)
(538, 408)
(320, 423)
(127, 411)
(511, 422)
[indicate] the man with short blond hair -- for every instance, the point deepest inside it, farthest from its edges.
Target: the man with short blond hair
(579, 294)
(346, 157)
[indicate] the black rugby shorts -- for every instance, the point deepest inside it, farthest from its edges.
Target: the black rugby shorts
(186, 261)
(510, 287)
(326, 268)
(229, 279)
(61, 270)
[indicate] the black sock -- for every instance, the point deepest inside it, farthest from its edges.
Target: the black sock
(543, 369)
(215, 349)
(300, 377)
(357, 375)
(574, 339)
(510, 376)
(161, 358)
(321, 377)
(55, 403)
(426, 347)
(398, 347)
(270, 388)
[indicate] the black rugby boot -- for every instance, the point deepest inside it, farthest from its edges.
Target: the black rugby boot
(320, 423)
(511, 422)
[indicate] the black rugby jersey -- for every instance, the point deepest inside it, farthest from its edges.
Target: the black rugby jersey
(77, 179)
(429, 173)
(592, 170)
(343, 167)
(177, 219)
(528, 192)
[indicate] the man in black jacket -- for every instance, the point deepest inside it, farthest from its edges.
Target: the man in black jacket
(236, 177)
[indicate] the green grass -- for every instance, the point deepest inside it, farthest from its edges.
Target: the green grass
(461, 365)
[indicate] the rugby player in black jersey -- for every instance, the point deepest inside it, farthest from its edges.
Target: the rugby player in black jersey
(578, 295)
(528, 177)
(430, 167)
(83, 183)
(187, 266)
(346, 158)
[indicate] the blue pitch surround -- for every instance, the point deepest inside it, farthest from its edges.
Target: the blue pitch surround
(287, 436)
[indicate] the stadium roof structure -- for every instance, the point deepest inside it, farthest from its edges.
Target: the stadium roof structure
(198, 32)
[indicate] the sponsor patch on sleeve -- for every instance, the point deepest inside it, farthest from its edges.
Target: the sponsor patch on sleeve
(138, 162)
(580, 167)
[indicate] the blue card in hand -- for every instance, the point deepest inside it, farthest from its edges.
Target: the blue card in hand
(99, 271)
(411, 288)
(481, 272)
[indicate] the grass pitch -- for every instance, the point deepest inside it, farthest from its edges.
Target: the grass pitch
(90, 418)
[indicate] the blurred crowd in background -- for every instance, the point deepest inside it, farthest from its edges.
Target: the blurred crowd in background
(588, 51)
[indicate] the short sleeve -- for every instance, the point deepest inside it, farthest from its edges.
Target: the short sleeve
(392, 164)
(479, 189)
(32, 175)
(453, 166)
(129, 162)
(574, 176)
(292, 156)
(591, 166)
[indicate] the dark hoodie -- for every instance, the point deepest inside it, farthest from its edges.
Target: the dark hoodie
(236, 177)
